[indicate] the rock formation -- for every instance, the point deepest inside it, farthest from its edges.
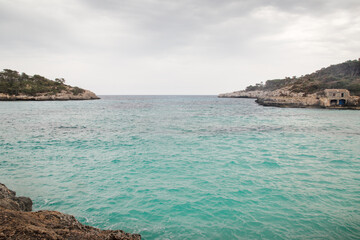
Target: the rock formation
(62, 96)
(18, 222)
(328, 87)
(285, 98)
(15, 86)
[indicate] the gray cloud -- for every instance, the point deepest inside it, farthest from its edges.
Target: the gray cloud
(149, 46)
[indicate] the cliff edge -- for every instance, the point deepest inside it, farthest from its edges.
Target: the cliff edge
(18, 222)
(61, 96)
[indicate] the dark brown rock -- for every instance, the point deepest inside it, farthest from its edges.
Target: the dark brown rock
(17, 222)
(9, 200)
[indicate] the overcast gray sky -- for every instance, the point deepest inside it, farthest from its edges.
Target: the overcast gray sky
(174, 46)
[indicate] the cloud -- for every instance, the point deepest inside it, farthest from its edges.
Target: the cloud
(151, 45)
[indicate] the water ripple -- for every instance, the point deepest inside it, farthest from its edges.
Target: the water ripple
(187, 167)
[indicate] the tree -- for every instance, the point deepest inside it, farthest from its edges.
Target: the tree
(60, 80)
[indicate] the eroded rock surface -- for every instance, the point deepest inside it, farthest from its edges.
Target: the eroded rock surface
(9, 200)
(62, 96)
(18, 222)
(284, 97)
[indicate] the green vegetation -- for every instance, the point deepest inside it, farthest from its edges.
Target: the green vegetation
(13, 83)
(77, 91)
(344, 75)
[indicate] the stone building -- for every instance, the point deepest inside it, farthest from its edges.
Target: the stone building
(337, 97)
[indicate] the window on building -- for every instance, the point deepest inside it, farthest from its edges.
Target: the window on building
(334, 94)
(342, 95)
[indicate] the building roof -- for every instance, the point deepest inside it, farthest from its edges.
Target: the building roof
(336, 90)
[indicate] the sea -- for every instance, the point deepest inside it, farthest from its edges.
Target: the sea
(187, 167)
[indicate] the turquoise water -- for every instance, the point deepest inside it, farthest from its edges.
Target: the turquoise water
(187, 167)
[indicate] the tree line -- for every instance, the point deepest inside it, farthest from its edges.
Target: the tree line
(14, 83)
(344, 76)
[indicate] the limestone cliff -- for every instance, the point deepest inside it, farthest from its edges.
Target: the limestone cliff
(286, 98)
(61, 96)
(18, 222)
(329, 87)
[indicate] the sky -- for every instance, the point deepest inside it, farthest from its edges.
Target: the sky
(195, 47)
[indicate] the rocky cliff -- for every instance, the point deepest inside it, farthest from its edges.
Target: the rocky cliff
(284, 97)
(18, 222)
(61, 96)
(283, 92)
(311, 90)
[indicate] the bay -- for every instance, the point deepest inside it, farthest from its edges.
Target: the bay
(187, 167)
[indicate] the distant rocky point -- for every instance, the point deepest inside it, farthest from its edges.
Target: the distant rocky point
(18, 222)
(15, 86)
(337, 86)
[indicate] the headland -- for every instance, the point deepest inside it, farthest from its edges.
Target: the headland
(335, 87)
(22, 87)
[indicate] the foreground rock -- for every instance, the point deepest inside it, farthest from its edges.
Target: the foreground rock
(18, 222)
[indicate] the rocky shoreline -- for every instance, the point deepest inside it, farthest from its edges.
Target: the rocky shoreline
(17, 221)
(286, 98)
(62, 96)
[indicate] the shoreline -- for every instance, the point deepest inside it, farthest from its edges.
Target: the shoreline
(62, 96)
(286, 99)
(44, 100)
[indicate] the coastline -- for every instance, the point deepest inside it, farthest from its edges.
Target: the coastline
(62, 96)
(17, 221)
(288, 99)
